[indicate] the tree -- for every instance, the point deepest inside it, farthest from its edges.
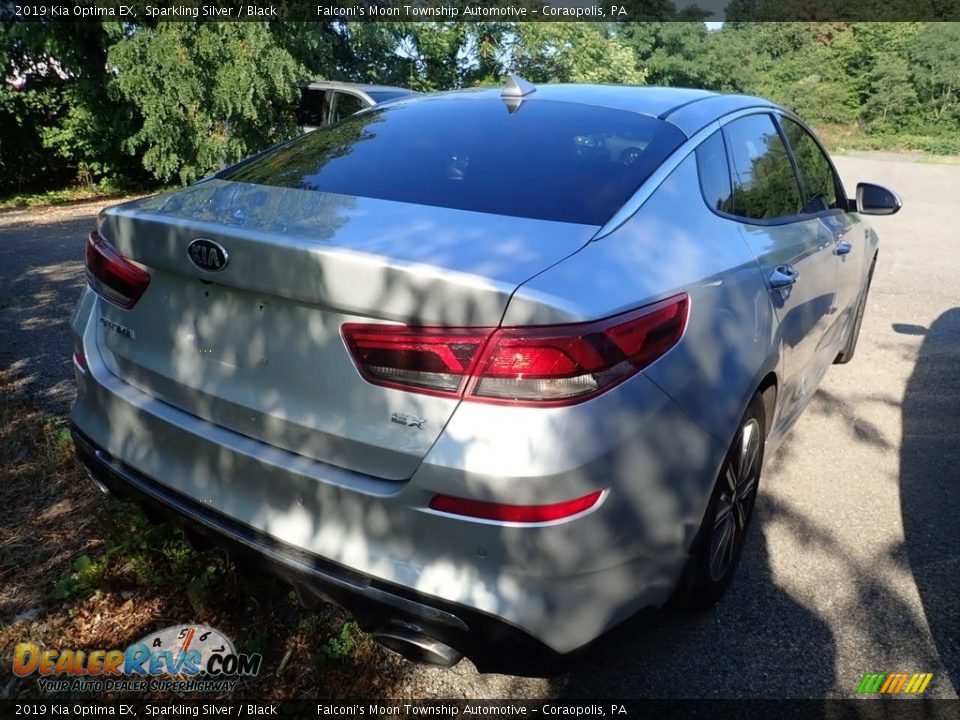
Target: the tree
(797, 65)
(686, 54)
(320, 48)
(936, 69)
(103, 100)
(891, 100)
(210, 93)
(60, 122)
(573, 52)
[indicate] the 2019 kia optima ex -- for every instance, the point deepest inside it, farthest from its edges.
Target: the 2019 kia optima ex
(491, 369)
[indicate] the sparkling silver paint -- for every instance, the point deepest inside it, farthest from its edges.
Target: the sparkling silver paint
(236, 390)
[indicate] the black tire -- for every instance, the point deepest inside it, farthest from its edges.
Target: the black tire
(846, 355)
(715, 553)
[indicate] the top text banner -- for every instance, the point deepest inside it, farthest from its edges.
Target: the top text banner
(149, 11)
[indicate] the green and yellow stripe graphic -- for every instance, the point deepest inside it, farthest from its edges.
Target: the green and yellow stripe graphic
(894, 683)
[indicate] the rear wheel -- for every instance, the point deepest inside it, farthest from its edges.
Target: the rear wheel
(716, 549)
(846, 355)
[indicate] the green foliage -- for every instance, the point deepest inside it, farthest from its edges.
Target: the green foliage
(84, 581)
(104, 103)
(936, 71)
(210, 94)
(139, 553)
(104, 189)
(56, 439)
(318, 47)
(574, 52)
(434, 55)
(24, 160)
(89, 134)
(930, 144)
(62, 123)
(340, 647)
(891, 101)
(422, 56)
(685, 54)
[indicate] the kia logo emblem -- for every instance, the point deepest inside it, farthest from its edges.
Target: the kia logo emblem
(207, 255)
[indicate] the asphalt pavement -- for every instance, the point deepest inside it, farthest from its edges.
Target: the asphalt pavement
(41, 276)
(853, 563)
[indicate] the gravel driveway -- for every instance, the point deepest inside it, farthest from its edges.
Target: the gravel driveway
(854, 561)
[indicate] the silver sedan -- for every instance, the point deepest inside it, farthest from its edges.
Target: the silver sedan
(492, 369)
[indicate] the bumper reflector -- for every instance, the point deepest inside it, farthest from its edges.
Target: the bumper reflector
(80, 360)
(514, 513)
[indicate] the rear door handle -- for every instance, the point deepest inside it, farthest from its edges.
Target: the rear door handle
(783, 277)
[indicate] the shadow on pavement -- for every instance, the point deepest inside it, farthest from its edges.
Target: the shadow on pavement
(930, 483)
(41, 276)
(761, 643)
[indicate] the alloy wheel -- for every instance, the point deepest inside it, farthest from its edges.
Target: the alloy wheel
(736, 499)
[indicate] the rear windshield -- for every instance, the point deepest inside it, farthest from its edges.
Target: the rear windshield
(545, 159)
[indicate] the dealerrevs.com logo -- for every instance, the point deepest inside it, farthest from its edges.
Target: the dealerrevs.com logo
(185, 658)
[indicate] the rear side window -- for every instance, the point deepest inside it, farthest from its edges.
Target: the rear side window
(764, 183)
(715, 173)
(346, 105)
(819, 184)
(311, 109)
(544, 159)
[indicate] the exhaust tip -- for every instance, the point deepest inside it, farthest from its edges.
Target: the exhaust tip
(413, 643)
(100, 486)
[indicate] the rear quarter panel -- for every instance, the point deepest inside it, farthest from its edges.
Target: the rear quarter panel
(673, 244)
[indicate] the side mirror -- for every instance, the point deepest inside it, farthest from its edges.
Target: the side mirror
(876, 200)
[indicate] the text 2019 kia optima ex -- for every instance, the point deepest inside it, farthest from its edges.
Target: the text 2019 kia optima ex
(491, 369)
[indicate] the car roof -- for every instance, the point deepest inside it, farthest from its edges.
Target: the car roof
(688, 109)
(361, 87)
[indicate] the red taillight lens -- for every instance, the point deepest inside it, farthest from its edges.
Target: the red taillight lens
(570, 363)
(552, 365)
(434, 360)
(514, 513)
(111, 275)
(80, 360)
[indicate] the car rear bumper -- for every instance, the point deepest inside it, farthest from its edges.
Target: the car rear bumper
(379, 607)
(503, 594)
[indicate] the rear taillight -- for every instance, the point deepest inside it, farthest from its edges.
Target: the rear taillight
(80, 360)
(432, 360)
(514, 513)
(111, 275)
(542, 365)
(573, 362)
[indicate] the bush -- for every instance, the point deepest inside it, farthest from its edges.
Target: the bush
(25, 162)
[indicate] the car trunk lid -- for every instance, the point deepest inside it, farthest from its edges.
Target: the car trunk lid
(256, 345)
